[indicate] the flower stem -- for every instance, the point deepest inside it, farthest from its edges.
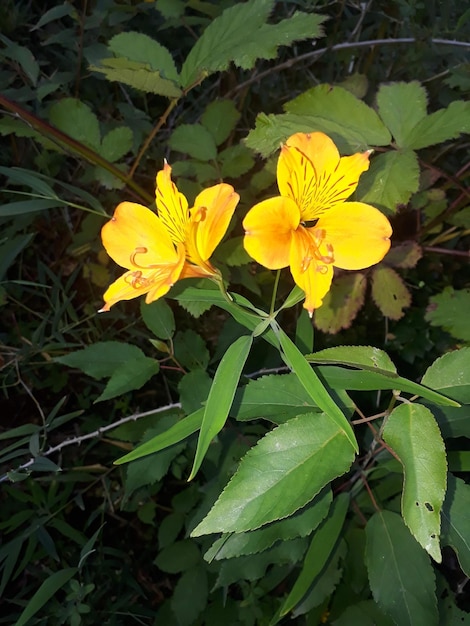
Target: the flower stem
(276, 285)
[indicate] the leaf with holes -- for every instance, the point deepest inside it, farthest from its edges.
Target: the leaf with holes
(389, 292)
(413, 434)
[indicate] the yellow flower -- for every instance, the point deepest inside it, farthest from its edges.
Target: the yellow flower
(310, 227)
(159, 250)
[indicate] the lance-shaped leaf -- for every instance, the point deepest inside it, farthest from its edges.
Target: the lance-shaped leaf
(321, 546)
(284, 471)
(221, 396)
(400, 573)
(413, 434)
(174, 434)
(314, 386)
(360, 357)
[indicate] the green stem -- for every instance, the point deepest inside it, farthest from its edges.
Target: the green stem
(276, 285)
(75, 146)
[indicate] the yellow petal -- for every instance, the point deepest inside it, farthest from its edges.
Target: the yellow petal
(172, 205)
(136, 235)
(210, 218)
(358, 233)
(155, 282)
(269, 226)
(311, 274)
(311, 171)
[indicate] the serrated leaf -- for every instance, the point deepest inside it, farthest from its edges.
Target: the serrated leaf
(456, 521)
(339, 105)
(365, 613)
(152, 468)
(314, 386)
(159, 318)
(236, 161)
(301, 524)
(190, 350)
(342, 303)
(401, 106)
(220, 118)
(404, 255)
(441, 126)
(320, 548)
(77, 120)
(278, 397)
(143, 49)
(361, 357)
(413, 434)
(450, 374)
(138, 76)
(23, 56)
(221, 396)
(101, 359)
(449, 309)
(190, 595)
(240, 35)
(389, 292)
(132, 374)
(116, 143)
(390, 181)
(173, 435)
(400, 573)
(284, 471)
(195, 140)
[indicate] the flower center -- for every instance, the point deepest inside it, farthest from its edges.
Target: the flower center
(317, 251)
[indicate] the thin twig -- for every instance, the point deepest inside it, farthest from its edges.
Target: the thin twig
(340, 46)
(463, 253)
(96, 433)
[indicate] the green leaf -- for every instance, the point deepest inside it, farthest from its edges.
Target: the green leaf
(221, 396)
(336, 104)
(189, 598)
(441, 126)
(341, 378)
(178, 557)
(391, 180)
(401, 106)
(232, 252)
(314, 386)
(116, 143)
(456, 521)
(46, 591)
(404, 255)
(56, 13)
(143, 49)
(284, 471)
(30, 179)
(304, 332)
(274, 397)
(365, 613)
(137, 75)
(22, 56)
(235, 161)
(240, 35)
(320, 549)
(301, 524)
(220, 118)
(159, 318)
(449, 309)
(342, 303)
(190, 350)
(389, 292)
(28, 206)
(101, 359)
(173, 435)
(195, 140)
(77, 120)
(132, 374)
(351, 124)
(450, 374)
(413, 434)
(400, 573)
(360, 357)
(194, 389)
